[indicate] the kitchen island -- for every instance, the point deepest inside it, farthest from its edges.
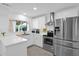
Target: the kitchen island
(15, 46)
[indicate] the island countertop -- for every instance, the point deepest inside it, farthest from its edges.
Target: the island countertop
(12, 41)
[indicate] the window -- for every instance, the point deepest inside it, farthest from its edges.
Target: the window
(21, 26)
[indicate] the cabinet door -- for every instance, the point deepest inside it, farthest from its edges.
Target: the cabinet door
(38, 40)
(30, 39)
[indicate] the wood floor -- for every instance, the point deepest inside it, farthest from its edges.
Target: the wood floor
(37, 51)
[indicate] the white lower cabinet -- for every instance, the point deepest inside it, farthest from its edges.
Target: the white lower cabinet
(19, 49)
(34, 39)
(38, 40)
(30, 39)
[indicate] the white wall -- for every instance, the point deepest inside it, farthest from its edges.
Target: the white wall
(67, 13)
(5, 13)
(40, 22)
(3, 19)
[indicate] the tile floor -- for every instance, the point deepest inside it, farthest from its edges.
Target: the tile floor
(37, 51)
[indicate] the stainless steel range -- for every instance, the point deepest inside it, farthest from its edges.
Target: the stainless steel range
(48, 41)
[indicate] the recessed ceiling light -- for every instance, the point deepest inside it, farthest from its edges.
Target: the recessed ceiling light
(24, 13)
(34, 8)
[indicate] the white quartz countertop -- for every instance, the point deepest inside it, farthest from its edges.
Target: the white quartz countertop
(15, 40)
(11, 39)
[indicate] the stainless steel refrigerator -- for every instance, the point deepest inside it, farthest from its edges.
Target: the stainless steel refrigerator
(67, 43)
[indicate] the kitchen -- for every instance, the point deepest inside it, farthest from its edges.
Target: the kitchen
(54, 29)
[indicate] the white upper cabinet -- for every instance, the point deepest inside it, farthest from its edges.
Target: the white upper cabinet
(38, 23)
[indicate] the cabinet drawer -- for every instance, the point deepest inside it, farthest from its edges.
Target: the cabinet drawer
(48, 47)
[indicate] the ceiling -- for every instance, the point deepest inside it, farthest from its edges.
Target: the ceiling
(42, 8)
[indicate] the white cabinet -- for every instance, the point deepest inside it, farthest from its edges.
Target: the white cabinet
(30, 38)
(19, 49)
(34, 39)
(16, 46)
(37, 24)
(38, 40)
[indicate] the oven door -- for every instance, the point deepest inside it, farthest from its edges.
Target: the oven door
(48, 41)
